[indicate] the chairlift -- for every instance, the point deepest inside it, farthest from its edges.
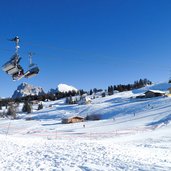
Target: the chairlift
(13, 68)
(11, 64)
(33, 68)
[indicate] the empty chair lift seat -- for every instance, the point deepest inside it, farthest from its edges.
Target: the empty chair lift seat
(11, 68)
(32, 72)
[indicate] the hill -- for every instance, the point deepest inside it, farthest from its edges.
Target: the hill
(133, 134)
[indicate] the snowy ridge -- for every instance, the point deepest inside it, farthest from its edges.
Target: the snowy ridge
(25, 89)
(62, 88)
(65, 88)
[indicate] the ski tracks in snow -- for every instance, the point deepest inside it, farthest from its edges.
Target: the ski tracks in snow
(86, 155)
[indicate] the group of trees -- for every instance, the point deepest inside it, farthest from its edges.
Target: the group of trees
(10, 103)
(70, 100)
(95, 90)
(13, 108)
(44, 97)
(137, 84)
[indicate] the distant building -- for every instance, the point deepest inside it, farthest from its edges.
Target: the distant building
(74, 119)
(154, 93)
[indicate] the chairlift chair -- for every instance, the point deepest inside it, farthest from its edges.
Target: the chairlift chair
(33, 68)
(32, 72)
(11, 67)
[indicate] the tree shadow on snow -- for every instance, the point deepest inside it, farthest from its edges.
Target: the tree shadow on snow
(164, 120)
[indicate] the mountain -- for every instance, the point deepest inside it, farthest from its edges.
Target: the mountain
(63, 88)
(25, 89)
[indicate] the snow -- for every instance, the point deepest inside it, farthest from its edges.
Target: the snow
(133, 134)
(159, 86)
(65, 88)
(157, 91)
(140, 151)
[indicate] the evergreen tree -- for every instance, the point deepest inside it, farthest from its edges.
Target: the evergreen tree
(103, 94)
(40, 106)
(110, 90)
(26, 107)
(95, 90)
(91, 92)
(11, 111)
(81, 92)
(114, 87)
(70, 100)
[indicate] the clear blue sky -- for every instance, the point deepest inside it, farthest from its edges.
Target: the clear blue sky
(87, 44)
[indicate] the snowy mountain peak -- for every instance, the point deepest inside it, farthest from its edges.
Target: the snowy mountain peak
(25, 89)
(65, 88)
(22, 85)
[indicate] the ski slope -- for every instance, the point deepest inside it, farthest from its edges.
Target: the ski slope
(133, 134)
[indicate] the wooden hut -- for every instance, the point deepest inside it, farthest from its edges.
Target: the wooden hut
(154, 93)
(74, 119)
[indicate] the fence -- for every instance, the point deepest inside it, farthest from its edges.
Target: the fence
(9, 129)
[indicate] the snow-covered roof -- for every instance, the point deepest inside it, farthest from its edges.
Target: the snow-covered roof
(156, 91)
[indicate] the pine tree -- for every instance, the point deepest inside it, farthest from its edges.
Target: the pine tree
(81, 92)
(95, 90)
(110, 90)
(26, 107)
(67, 100)
(70, 100)
(103, 94)
(40, 106)
(11, 111)
(91, 92)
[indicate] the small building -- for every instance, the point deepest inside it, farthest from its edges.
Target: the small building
(154, 93)
(74, 119)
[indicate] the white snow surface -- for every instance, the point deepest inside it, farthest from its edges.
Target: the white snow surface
(133, 134)
(65, 88)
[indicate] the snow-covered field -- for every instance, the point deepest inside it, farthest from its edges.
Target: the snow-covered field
(134, 134)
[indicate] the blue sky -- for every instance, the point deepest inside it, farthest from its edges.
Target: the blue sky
(87, 44)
